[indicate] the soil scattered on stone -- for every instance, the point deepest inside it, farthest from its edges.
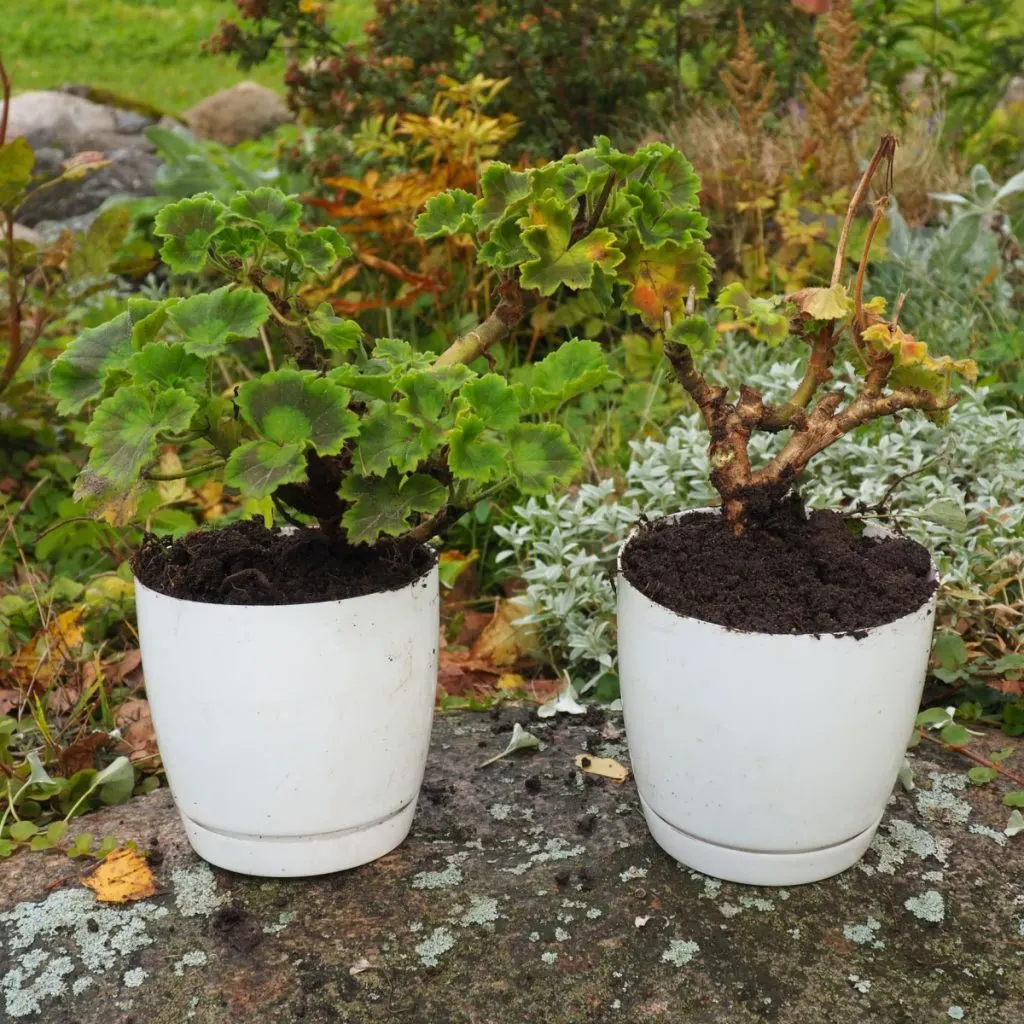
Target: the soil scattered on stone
(246, 563)
(789, 573)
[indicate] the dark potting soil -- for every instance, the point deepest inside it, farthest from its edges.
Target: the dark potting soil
(246, 563)
(790, 573)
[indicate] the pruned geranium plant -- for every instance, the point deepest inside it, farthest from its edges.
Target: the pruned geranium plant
(897, 373)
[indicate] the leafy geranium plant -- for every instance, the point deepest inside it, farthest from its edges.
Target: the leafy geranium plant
(376, 439)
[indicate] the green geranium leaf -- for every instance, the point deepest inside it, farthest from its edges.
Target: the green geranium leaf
(388, 439)
(504, 248)
(166, 366)
(241, 240)
(425, 396)
(760, 317)
(321, 249)
(210, 321)
(542, 455)
(188, 227)
(383, 505)
(148, 325)
(297, 407)
(501, 187)
(451, 378)
(573, 368)
(450, 213)
(695, 333)
(555, 262)
(258, 468)
(123, 432)
(372, 380)
(338, 335)
(493, 400)
(78, 374)
(474, 456)
(270, 208)
(16, 162)
(623, 164)
(673, 175)
(398, 352)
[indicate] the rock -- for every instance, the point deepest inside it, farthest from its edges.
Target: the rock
(519, 917)
(132, 173)
(245, 111)
(58, 119)
(30, 235)
(130, 123)
(1015, 90)
(51, 230)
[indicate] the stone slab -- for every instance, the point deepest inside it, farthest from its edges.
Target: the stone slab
(530, 893)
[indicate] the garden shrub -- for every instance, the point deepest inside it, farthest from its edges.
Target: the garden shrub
(576, 68)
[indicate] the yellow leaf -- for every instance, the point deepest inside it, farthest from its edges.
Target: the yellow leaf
(43, 657)
(122, 877)
(606, 767)
(504, 639)
(511, 681)
(170, 464)
(109, 589)
(824, 303)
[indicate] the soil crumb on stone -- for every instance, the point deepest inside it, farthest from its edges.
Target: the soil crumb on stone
(246, 563)
(790, 573)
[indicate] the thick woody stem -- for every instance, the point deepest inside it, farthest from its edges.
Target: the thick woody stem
(507, 314)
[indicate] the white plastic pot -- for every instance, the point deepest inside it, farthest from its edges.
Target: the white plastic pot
(760, 758)
(294, 736)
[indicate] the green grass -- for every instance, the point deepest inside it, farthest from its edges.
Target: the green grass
(146, 49)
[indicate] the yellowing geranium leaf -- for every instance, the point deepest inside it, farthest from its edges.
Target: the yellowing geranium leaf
(824, 303)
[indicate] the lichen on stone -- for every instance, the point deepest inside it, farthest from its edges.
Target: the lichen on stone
(757, 903)
(680, 952)
(499, 811)
(196, 958)
(483, 911)
(632, 872)
(929, 906)
(561, 935)
(991, 833)
(865, 934)
(940, 804)
(195, 891)
(135, 977)
(549, 957)
(903, 839)
(444, 879)
(432, 948)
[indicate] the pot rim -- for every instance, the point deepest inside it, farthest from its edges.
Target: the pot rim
(854, 634)
(267, 608)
